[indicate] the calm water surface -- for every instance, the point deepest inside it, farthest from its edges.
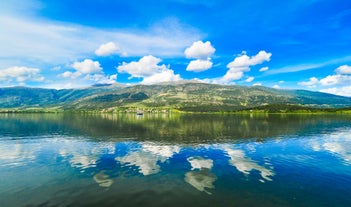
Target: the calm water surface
(175, 160)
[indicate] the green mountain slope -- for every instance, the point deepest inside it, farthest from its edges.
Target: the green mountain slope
(187, 96)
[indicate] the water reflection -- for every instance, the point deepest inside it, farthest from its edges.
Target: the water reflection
(147, 156)
(83, 155)
(246, 165)
(171, 128)
(335, 143)
(103, 179)
(201, 177)
(15, 154)
(115, 158)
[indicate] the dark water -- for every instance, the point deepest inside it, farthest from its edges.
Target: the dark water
(175, 160)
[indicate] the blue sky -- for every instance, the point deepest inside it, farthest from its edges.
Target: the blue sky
(282, 44)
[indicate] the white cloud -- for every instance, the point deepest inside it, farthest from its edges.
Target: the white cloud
(313, 81)
(101, 78)
(342, 78)
(276, 86)
(163, 76)
(242, 64)
(344, 69)
(149, 69)
(308, 66)
(146, 66)
(335, 80)
(263, 69)
(231, 75)
(87, 72)
(47, 42)
(107, 49)
(87, 66)
(20, 74)
(257, 84)
(341, 91)
(200, 50)
(199, 65)
(69, 74)
(249, 79)
(244, 61)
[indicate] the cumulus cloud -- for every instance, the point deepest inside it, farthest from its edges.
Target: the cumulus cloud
(263, 69)
(200, 50)
(244, 61)
(249, 79)
(163, 76)
(231, 75)
(87, 66)
(342, 77)
(88, 72)
(311, 83)
(335, 80)
(149, 69)
(340, 80)
(242, 64)
(341, 91)
(199, 65)
(344, 69)
(20, 74)
(276, 86)
(107, 49)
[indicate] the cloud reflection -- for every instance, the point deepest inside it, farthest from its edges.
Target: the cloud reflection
(201, 177)
(103, 179)
(245, 165)
(338, 144)
(84, 155)
(147, 157)
(17, 154)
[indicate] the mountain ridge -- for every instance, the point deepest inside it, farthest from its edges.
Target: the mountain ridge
(185, 95)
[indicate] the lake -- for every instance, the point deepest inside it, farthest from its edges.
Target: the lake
(175, 160)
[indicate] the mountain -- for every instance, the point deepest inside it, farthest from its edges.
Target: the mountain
(186, 96)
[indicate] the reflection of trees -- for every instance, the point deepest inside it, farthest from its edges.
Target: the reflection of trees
(183, 128)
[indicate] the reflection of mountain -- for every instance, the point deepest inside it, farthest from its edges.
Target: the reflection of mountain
(173, 128)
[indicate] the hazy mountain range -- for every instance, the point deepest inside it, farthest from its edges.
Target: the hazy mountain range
(184, 95)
